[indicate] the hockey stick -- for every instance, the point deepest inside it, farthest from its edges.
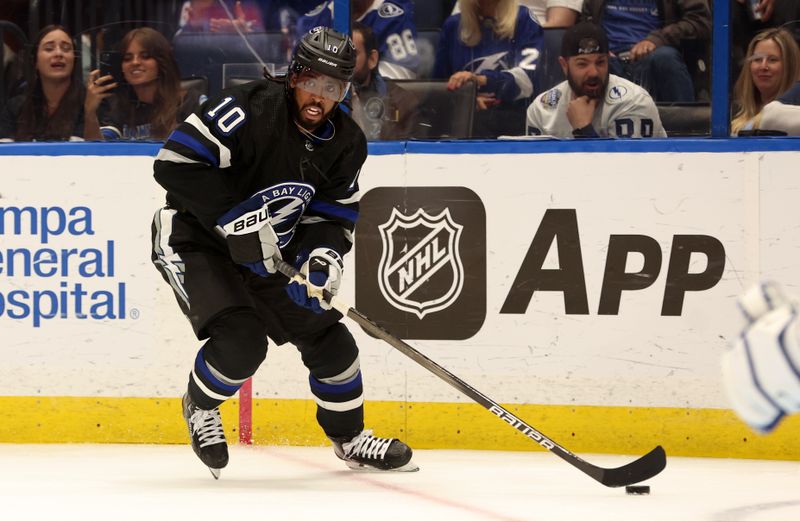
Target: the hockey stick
(639, 470)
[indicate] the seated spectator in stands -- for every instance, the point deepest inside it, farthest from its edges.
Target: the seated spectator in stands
(591, 102)
(50, 109)
(645, 39)
(494, 43)
(783, 115)
(283, 14)
(149, 103)
(550, 13)
(208, 16)
(554, 13)
(747, 21)
(393, 25)
(383, 111)
(772, 67)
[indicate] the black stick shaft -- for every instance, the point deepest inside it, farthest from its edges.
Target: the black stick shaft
(641, 469)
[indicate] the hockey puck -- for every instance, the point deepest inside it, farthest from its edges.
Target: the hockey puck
(637, 490)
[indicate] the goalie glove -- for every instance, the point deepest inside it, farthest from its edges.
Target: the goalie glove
(322, 271)
(761, 372)
(251, 240)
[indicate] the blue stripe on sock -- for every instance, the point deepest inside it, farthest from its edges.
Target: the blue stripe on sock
(202, 368)
(321, 387)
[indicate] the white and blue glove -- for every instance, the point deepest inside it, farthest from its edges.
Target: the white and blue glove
(251, 240)
(761, 371)
(322, 271)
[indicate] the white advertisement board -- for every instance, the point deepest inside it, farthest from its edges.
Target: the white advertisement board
(599, 279)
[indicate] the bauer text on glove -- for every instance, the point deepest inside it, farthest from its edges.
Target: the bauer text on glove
(251, 240)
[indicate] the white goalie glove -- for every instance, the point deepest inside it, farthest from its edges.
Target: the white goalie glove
(761, 371)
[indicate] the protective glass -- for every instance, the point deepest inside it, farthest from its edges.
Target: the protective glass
(323, 85)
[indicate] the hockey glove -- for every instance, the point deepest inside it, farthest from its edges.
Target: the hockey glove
(322, 271)
(251, 240)
(761, 371)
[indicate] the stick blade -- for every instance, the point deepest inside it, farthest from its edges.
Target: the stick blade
(639, 470)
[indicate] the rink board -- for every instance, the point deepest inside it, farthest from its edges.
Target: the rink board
(90, 327)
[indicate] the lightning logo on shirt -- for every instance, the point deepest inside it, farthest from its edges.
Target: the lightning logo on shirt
(492, 62)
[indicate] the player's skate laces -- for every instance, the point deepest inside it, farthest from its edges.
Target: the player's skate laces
(366, 451)
(208, 437)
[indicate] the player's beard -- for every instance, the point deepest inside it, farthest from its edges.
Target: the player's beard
(593, 88)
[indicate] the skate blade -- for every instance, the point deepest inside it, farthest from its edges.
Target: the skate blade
(215, 472)
(408, 467)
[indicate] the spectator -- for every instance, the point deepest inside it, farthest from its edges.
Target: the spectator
(591, 102)
(50, 109)
(746, 22)
(645, 38)
(209, 16)
(783, 114)
(772, 67)
(283, 14)
(393, 25)
(551, 13)
(150, 101)
(494, 43)
(384, 111)
(554, 13)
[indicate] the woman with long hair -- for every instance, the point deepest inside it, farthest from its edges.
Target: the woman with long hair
(772, 66)
(50, 109)
(495, 44)
(148, 102)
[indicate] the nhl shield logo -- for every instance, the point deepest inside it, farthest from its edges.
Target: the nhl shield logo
(420, 270)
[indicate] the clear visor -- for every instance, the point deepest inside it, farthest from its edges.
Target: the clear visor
(322, 85)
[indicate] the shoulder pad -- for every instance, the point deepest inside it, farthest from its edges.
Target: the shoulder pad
(390, 10)
(551, 97)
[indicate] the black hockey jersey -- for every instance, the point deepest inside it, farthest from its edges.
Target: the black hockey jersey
(244, 145)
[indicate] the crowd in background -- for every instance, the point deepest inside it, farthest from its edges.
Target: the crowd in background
(103, 85)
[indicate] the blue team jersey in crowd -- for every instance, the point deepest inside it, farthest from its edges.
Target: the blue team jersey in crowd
(792, 96)
(393, 25)
(628, 22)
(509, 65)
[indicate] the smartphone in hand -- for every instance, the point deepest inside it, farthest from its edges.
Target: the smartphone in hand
(111, 63)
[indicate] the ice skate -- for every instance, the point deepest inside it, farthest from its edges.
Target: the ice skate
(367, 452)
(208, 438)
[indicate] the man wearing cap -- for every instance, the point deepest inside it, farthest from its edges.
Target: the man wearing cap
(591, 102)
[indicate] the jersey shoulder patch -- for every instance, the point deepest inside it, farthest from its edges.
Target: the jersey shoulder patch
(550, 98)
(616, 93)
(390, 10)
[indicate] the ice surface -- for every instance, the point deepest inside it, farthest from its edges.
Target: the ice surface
(149, 482)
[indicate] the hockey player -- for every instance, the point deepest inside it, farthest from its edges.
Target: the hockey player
(761, 371)
(269, 170)
(783, 114)
(591, 102)
(393, 25)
